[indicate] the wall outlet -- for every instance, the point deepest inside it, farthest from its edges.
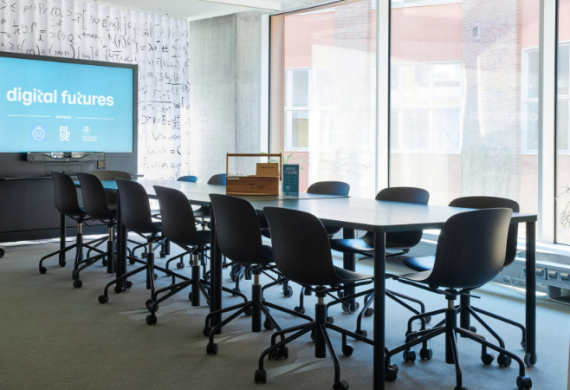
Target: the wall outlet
(552, 275)
(101, 165)
(540, 273)
(564, 277)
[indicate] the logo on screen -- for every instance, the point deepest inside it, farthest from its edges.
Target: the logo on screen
(64, 133)
(87, 137)
(38, 134)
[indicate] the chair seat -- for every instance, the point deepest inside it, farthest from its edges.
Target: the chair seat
(351, 245)
(424, 263)
(350, 276)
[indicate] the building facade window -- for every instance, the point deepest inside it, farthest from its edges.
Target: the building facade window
(426, 107)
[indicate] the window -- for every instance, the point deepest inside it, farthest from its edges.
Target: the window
(297, 98)
(408, 3)
(322, 100)
(426, 107)
(530, 100)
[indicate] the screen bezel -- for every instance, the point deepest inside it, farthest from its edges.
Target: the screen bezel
(134, 68)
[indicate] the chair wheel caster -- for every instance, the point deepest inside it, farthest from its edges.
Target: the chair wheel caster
(280, 353)
(77, 283)
(297, 309)
(62, 263)
(487, 358)
(369, 312)
(248, 312)
(260, 376)
(43, 270)
(103, 299)
(504, 360)
(148, 304)
(154, 276)
(350, 308)
(237, 290)
(151, 319)
(391, 373)
(426, 353)
(342, 385)
(524, 382)
(162, 255)
(409, 356)
(347, 350)
(330, 319)
(206, 331)
(132, 261)
(118, 289)
(268, 325)
(427, 319)
(179, 265)
(473, 329)
(129, 284)
(212, 349)
(104, 263)
(362, 332)
(288, 292)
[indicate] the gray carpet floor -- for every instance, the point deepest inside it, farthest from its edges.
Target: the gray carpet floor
(53, 336)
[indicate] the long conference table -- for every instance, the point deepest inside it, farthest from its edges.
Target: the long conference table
(379, 217)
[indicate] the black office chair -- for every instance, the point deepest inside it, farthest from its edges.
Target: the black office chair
(95, 203)
(109, 175)
(66, 202)
(338, 188)
(237, 233)
(465, 309)
(188, 178)
(302, 253)
(178, 225)
(470, 252)
(136, 216)
(402, 242)
(201, 216)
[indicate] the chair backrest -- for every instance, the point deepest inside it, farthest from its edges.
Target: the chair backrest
(218, 179)
(188, 178)
(66, 201)
(301, 247)
(471, 248)
(177, 217)
(105, 175)
(94, 196)
(489, 202)
(339, 188)
(237, 229)
(135, 207)
(406, 195)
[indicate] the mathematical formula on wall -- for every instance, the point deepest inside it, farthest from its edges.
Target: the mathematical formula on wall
(158, 44)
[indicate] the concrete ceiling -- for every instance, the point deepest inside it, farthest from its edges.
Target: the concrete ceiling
(202, 9)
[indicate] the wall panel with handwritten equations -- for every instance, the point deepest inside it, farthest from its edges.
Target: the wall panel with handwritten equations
(158, 44)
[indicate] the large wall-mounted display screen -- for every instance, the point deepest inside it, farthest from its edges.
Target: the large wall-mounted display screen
(50, 104)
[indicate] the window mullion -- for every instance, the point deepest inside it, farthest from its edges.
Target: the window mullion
(547, 121)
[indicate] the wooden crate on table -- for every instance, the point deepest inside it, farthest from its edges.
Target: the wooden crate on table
(255, 184)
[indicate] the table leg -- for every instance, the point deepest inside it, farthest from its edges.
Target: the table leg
(348, 262)
(379, 310)
(121, 246)
(216, 272)
(62, 237)
(530, 357)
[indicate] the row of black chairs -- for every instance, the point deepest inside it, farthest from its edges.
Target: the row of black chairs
(470, 252)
